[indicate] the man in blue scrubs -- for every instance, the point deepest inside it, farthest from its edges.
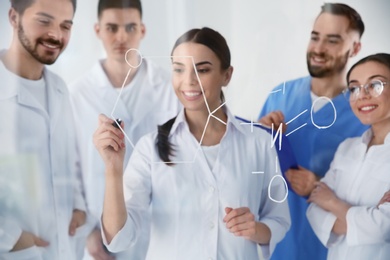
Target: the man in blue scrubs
(316, 117)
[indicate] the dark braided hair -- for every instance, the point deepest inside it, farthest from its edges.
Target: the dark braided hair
(164, 148)
(217, 43)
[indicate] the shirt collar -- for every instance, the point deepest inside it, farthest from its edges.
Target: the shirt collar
(367, 135)
(12, 82)
(100, 76)
(387, 138)
(102, 80)
(179, 122)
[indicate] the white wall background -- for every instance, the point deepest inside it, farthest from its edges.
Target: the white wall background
(268, 39)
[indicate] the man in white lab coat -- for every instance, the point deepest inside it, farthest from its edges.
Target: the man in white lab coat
(41, 205)
(146, 100)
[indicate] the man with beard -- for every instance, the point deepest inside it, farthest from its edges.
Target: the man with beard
(319, 118)
(146, 100)
(41, 204)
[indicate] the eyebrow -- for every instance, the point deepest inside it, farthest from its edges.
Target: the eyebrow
(377, 75)
(45, 15)
(338, 36)
(52, 17)
(203, 62)
(370, 78)
(177, 63)
(115, 24)
(197, 64)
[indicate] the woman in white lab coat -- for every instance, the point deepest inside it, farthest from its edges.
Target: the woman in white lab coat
(210, 180)
(350, 207)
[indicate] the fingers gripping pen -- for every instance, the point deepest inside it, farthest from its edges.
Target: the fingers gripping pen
(117, 122)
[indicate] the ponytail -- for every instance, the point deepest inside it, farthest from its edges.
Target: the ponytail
(164, 147)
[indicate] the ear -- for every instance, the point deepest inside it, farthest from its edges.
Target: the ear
(143, 30)
(96, 27)
(355, 49)
(13, 17)
(228, 76)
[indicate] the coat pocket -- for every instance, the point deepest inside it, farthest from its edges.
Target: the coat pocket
(31, 253)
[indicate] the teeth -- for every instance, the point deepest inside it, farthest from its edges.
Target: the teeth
(192, 94)
(318, 59)
(50, 46)
(367, 108)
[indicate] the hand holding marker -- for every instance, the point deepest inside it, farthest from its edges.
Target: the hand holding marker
(117, 122)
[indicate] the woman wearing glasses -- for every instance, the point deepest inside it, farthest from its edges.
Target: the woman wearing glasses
(350, 207)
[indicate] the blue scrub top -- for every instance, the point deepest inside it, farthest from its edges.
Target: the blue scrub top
(314, 146)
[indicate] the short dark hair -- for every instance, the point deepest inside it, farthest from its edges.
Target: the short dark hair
(382, 58)
(354, 18)
(108, 4)
(21, 5)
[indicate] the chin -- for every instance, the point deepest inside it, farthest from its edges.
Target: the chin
(366, 121)
(196, 108)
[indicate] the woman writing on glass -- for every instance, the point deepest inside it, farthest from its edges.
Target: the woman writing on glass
(200, 172)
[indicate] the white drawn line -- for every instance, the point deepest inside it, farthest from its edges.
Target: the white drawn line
(275, 91)
(200, 84)
(257, 172)
(296, 129)
(296, 117)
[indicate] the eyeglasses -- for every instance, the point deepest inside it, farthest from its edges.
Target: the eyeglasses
(374, 88)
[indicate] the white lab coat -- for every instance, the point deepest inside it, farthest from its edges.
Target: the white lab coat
(152, 102)
(38, 167)
(188, 199)
(360, 178)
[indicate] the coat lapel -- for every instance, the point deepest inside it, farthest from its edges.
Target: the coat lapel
(56, 98)
(108, 94)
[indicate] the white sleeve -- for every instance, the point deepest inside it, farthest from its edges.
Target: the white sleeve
(322, 221)
(9, 234)
(123, 240)
(274, 212)
(137, 193)
(368, 225)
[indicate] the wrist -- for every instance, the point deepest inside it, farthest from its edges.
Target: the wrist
(262, 234)
(113, 169)
(339, 208)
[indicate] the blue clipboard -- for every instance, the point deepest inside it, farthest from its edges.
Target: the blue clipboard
(286, 155)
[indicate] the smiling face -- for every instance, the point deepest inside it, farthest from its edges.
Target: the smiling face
(371, 110)
(43, 29)
(186, 83)
(331, 44)
(120, 30)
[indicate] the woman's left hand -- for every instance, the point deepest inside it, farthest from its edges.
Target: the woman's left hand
(240, 221)
(323, 196)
